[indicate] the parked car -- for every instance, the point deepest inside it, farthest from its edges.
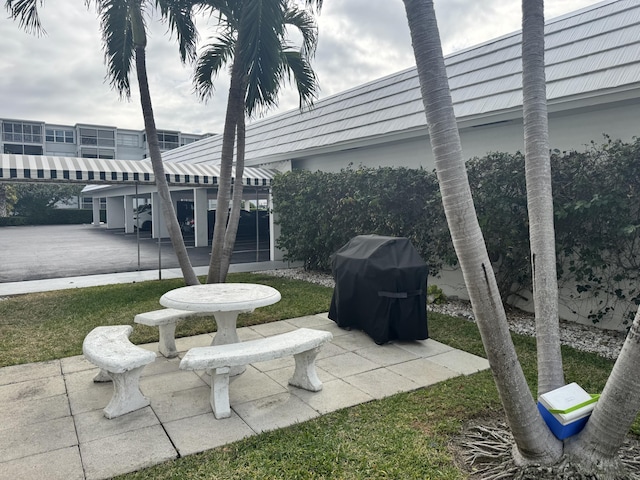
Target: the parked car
(142, 217)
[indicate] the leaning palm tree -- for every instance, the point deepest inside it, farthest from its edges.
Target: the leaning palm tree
(124, 38)
(253, 40)
(534, 440)
(593, 451)
(540, 198)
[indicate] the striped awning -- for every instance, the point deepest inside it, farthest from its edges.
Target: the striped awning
(45, 168)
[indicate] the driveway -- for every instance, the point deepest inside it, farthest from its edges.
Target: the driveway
(59, 251)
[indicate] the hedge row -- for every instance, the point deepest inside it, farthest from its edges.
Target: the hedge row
(597, 218)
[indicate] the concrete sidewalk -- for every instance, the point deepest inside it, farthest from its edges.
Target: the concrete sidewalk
(53, 427)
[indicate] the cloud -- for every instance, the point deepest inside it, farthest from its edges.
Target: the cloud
(60, 78)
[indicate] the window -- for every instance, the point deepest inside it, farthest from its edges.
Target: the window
(21, 132)
(97, 153)
(23, 149)
(100, 138)
(187, 140)
(128, 140)
(59, 136)
(167, 140)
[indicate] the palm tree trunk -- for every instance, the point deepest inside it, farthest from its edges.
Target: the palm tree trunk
(166, 204)
(238, 188)
(539, 198)
(597, 445)
(235, 109)
(534, 441)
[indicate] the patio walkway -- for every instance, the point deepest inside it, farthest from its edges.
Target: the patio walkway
(52, 424)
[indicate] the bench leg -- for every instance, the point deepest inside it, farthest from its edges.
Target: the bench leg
(305, 375)
(102, 377)
(220, 392)
(127, 396)
(167, 345)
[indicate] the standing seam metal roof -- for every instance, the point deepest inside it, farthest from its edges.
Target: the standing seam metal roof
(592, 51)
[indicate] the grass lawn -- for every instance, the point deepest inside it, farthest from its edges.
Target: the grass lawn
(405, 436)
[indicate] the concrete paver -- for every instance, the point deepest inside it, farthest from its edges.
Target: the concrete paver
(53, 425)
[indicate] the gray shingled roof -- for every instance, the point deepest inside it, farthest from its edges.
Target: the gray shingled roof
(589, 53)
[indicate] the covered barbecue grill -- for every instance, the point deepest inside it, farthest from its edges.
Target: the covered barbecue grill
(381, 288)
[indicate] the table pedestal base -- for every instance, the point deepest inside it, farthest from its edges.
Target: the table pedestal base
(227, 333)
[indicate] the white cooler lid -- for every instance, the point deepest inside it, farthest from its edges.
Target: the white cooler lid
(566, 398)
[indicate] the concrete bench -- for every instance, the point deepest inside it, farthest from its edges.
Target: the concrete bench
(119, 361)
(303, 343)
(166, 320)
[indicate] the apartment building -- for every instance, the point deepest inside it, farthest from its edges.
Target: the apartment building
(29, 137)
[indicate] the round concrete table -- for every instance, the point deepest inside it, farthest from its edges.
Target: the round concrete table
(225, 301)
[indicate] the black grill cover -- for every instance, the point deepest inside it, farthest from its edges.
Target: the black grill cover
(381, 288)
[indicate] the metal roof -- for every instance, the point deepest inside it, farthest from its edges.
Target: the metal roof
(34, 168)
(591, 52)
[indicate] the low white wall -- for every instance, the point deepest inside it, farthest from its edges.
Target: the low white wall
(571, 309)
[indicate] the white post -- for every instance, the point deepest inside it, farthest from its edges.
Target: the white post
(200, 206)
(95, 203)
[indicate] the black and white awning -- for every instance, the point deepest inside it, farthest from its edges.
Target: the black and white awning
(46, 168)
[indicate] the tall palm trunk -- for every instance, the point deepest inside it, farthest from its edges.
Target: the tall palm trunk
(539, 198)
(238, 189)
(235, 110)
(168, 212)
(535, 443)
(596, 446)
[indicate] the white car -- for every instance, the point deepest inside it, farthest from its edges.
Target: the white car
(142, 217)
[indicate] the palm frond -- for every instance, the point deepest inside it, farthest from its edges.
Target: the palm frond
(178, 14)
(211, 61)
(26, 12)
(297, 66)
(117, 42)
(306, 25)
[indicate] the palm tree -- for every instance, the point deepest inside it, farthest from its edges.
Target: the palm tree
(534, 440)
(253, 39)
(594, 449)
(124, 37)
(540, 198)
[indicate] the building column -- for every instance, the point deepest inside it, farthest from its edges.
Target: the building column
(158, 227)
(274, 253)
(95, 204)
(129, 226)
(200, 207)
(115, 212)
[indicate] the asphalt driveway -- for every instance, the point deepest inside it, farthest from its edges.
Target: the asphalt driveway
(60, 251)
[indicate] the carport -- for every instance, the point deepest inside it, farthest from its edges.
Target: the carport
(124, 182)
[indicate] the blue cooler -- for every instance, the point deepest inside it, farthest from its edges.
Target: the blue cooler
(566, 409)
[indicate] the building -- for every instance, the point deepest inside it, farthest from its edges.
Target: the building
(593, 88)
(28, 137)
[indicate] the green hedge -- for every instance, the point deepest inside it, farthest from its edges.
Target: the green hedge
(54, 216)
(597, 218)
(319, 212)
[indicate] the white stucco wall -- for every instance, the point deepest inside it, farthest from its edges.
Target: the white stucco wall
(568, 130)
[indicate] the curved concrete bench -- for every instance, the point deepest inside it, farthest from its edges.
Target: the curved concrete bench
(166, 319)
(304, 344)
(121, 362)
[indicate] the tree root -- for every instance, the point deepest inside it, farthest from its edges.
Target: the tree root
(484, 450)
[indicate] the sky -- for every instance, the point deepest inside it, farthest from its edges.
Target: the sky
(60, 78)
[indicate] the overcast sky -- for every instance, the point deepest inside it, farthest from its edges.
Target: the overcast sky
(60, 78)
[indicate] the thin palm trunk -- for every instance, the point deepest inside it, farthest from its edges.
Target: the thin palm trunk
(539, 198)
(238, 188)
(534, 440)
(166, 204)
(234, 102)
(597, 445)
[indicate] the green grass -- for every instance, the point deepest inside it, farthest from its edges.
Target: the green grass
(405, 436)
(45, 326)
